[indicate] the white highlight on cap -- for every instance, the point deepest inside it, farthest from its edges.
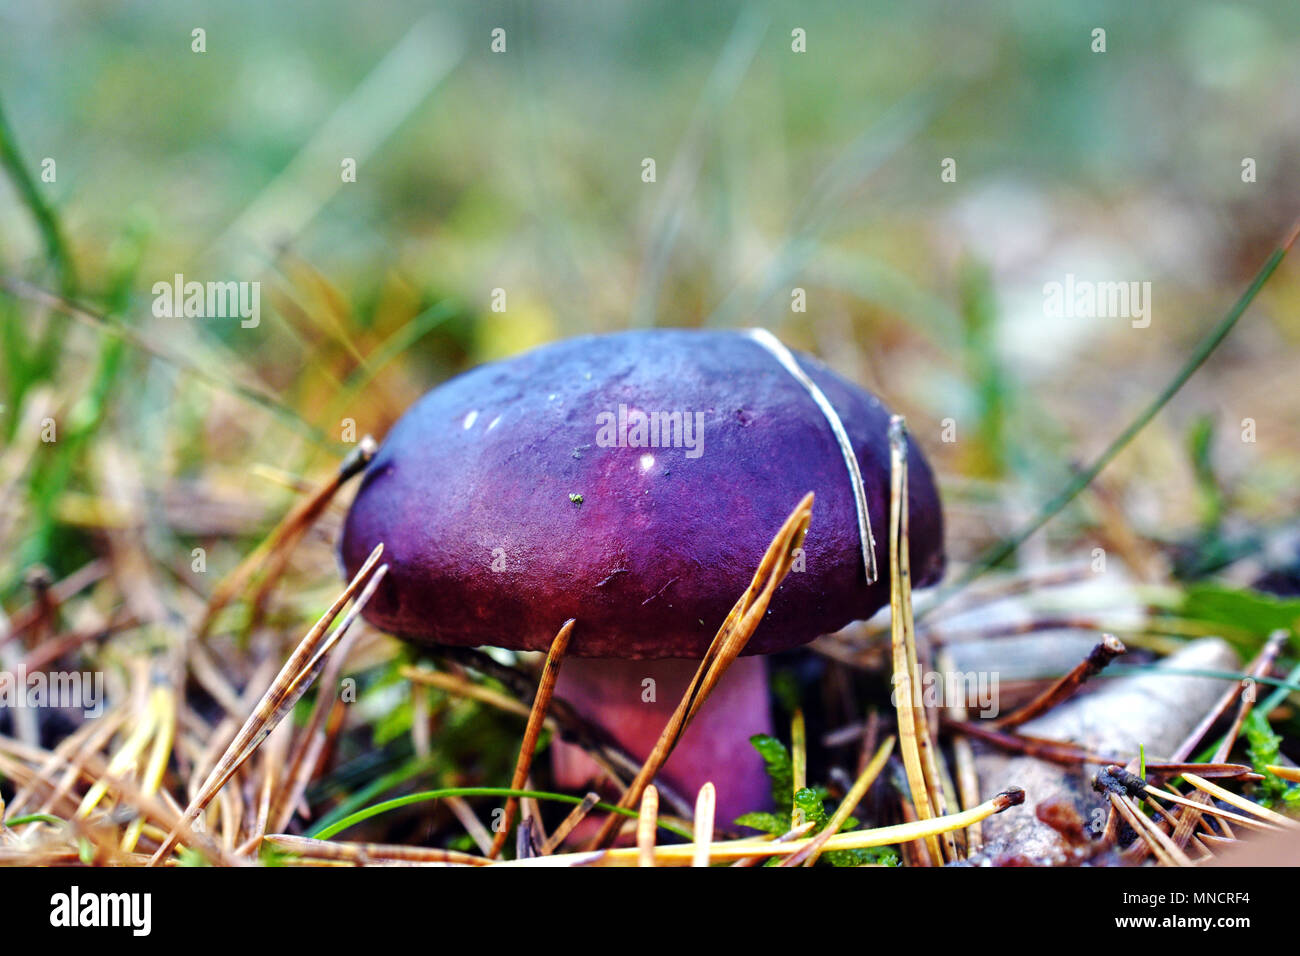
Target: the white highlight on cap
(647, 462)
(783, 355)
(470, 419)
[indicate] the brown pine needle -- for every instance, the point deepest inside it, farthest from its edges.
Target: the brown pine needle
(1241, 803)
(798, 761)
(615, 762)
(94, 767)
(727, 644)
(89, 738)
(1210, 809)
(1259, 667)
(1286, 773)
(705, 803)
(282, 539)
(646, 822)
(1209, 771)
(968, 785)
(1056, 751)
(1156, 839)
(455, 684)
(361, 854)
(1233, 692)
(576, 816)
(288, 687)
(533, 730)
(915, 853)
(307, 753)
(28, 617)
(913, 734)
(1109, 648)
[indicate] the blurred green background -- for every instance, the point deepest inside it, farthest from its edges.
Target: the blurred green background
(522, 171)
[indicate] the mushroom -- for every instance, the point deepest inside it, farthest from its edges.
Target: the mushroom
(633, 481)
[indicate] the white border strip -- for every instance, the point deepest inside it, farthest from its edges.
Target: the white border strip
(783, 355)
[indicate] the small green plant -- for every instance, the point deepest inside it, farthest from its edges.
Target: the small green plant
(809, 801)
(1263, 749)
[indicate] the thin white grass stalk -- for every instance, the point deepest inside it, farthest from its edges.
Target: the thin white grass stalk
(705, 805)
(646, 822)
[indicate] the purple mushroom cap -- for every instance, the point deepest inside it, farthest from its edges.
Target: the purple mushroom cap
(632, 481)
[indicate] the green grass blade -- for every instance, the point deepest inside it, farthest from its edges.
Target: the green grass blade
(56, 249)
(326, 832)
(999, 552)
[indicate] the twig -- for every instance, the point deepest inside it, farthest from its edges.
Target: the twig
(1102, 654)
(1056, 751)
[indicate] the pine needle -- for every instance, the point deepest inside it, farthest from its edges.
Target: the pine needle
(730, 640)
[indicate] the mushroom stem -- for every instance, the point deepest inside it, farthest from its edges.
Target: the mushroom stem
(632, 700)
